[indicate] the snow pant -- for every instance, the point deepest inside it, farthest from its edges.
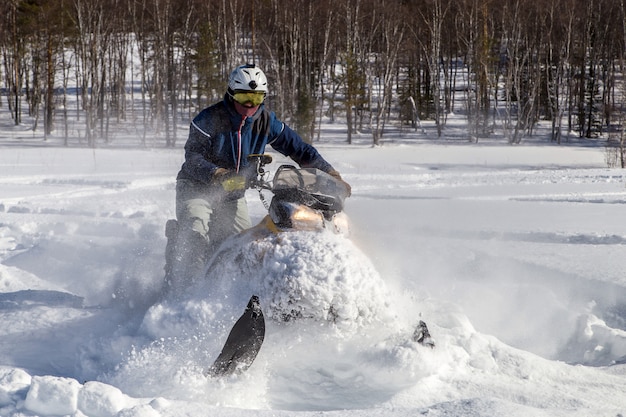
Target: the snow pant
(204, 219)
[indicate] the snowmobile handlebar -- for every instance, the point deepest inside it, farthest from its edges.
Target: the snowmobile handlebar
(308, 186)
(258, 162)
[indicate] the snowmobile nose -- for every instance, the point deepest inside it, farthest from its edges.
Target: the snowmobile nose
(254, 305)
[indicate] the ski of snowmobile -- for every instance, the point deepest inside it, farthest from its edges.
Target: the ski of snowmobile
(243, 343)
(422, 335)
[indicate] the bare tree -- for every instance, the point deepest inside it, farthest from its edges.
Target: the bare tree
(327, 59)
(431, 46)
(557, 56)
(13, 56)
(91, 42)
(392, 32)
(354, 63)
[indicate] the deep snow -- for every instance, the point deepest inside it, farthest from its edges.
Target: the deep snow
(514, 256)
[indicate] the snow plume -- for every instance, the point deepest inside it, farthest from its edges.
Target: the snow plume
(311, 275)
(297, 275)
(320, 295)
(525, 302)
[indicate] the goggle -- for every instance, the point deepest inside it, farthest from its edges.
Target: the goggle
(253, 97)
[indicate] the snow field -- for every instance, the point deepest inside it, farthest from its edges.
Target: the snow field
(512, 255)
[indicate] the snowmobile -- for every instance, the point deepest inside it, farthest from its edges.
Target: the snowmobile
(304, 200)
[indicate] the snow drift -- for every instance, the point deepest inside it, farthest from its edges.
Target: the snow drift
(513, 256)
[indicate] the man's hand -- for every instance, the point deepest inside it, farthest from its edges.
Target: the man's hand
(220, 173)
(334, 173)
(229, 180)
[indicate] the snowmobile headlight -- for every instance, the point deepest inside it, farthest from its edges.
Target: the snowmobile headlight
(305, 218)
(295, 216)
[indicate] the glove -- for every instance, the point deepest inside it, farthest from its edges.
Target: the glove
(229, 180)
(335, 174)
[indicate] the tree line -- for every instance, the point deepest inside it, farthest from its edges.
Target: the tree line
(70, 63)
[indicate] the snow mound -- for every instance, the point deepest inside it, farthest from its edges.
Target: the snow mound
(310, 275)
(297, 275)
(59, 396)
(13, 279)
(596, 342)
(12, 382)
(52, 395)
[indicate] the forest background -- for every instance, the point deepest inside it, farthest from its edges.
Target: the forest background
(84, 70)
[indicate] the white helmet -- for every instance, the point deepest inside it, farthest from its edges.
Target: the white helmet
(247, 77)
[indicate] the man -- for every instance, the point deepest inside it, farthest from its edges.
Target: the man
(210, 187)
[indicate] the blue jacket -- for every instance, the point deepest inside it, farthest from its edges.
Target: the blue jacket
(213, 142)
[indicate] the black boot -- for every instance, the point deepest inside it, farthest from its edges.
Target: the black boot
(171, 232)
(186, 260)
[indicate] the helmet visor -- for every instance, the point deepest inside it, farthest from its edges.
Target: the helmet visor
(249, 97)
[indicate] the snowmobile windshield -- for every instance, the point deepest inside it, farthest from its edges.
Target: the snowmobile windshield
(309, 186)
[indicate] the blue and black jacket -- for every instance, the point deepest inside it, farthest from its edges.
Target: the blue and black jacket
(221, 137)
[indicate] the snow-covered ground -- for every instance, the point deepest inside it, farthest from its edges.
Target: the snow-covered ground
(515, 257)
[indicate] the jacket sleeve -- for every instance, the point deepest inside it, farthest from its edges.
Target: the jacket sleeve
(197, 147)
(289, 143)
